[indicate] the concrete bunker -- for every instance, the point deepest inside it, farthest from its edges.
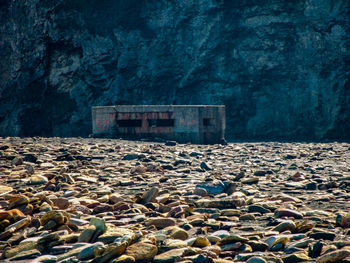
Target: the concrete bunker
(203, 124)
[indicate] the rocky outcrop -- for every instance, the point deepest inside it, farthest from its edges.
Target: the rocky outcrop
(280, 67)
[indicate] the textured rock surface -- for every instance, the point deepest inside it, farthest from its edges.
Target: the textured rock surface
(280, 67)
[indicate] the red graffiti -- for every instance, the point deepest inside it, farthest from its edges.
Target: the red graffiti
(192, 123)
(102, 125)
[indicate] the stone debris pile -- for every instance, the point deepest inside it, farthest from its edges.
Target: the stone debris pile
(114, 201)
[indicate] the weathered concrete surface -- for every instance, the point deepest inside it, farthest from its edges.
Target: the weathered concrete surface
(183, 123)
(280, 67)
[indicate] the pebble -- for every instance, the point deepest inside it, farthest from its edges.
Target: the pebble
(212, 188)
(258, 245)
(205, 166)
(4, 189)
(325, 235)
(124, 259)
(296, 257)
(256, 260)
(61, 203)
(77, 221)
(28, 254)
(72, 253)
(170, 256)
(113, 250)
(102, 200)
(46, 259)
(258, 208)
(285, 225)
(176, 232)
(38, 179)
(19, 224)
(160, 222)
(150, 195)
(247, 217)
(53, 219)
(99, 223)
(200, 241)
(17, 161)
(11, 214)
(17, 201)
(288, 213)
(142, 251)
(232, 239)
(334, 256)
(87, 234)
(343, 220)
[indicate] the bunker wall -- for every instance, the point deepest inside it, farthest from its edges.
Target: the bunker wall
(195, 124)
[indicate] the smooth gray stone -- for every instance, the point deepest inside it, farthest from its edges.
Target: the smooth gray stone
(88, 252)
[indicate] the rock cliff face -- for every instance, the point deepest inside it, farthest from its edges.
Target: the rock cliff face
(282, 68)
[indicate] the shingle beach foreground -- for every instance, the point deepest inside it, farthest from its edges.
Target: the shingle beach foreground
(104, 200)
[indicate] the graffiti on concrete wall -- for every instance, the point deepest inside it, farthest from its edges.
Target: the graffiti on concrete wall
(105, 124)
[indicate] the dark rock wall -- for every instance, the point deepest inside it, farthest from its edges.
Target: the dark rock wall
(282, 68)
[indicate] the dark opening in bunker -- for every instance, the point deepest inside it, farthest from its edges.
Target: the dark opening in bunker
(207, 122)
(161, 122)
(129, 123)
